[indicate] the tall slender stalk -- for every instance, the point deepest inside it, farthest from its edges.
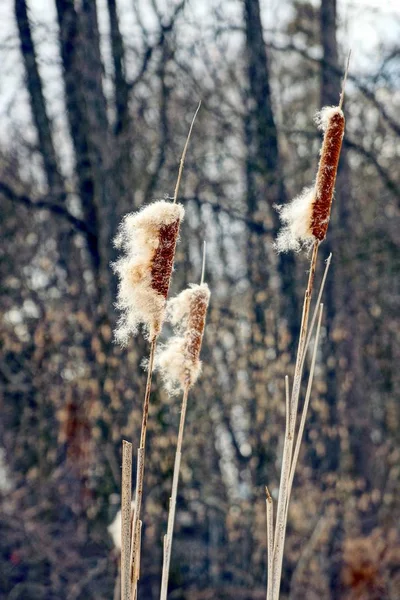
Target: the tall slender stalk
(172, 502)
(290, 429)
(136, 526)
(126, 509)
(182, 161)
(270, 539)
(162, 286)
(305, 407)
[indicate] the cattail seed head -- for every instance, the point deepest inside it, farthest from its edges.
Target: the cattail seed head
(331, 120)
(306, 218)
(179, 360)
(148, 239)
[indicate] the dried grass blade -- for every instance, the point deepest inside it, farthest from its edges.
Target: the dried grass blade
(126, 502)
(305, 407)
(172, 504)
(270, 540)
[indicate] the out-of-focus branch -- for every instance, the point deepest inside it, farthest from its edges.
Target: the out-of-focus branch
(44, 204)
(165, 29)
(338, 71)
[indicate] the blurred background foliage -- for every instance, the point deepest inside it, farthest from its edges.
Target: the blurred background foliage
(93, 129)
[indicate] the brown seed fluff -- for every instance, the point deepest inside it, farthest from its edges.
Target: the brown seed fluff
(326, 176)
(163, 259)
(196, 324)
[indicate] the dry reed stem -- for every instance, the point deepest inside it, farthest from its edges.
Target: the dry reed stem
(126, 510)
(346, 72)
(172, 504)
(289, 483)
(316, 309)
(280, 528)
(135, 543)
(270, 539)
(182, 161)
(305, 407)
(161, 270)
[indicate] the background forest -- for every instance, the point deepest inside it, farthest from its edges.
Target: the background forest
(96, 101)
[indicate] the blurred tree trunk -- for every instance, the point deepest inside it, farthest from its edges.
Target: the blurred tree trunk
(264, 174)
(123, 134)
(38, 104)
(344, 371)
(89, 129)
(329, 96)
(271, 277)
(75, 102)
(44, 130)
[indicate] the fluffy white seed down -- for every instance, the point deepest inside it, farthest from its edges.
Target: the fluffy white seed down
(138, 238)
(296, 217)
(178, 360)
(324, 115)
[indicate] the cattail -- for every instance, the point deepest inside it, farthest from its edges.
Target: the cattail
(180, 366)
(179, 360)
(148, 239)
(306, 218)
(331, 121)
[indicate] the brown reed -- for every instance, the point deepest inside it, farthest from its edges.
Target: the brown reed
(306, 220)
(327, 170)
(160, 273)
(182, 359)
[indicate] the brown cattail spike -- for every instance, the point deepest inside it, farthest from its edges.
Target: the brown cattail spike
(179, 360)
(163, 259)
(333, 122)
(196, 323)
(148, 240)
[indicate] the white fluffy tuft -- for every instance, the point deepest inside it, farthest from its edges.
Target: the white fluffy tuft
(178, 360)
(324, 115)
(138, 238)
(296, 218)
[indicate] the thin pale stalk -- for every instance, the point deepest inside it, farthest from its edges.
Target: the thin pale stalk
(304, 327)
(305, 407)
(182, 161)
(270, 540)
(298, 442)
(203, 268)
(279, 538)
(316, 310)
(280, 528)
(135, 541)
(126, 509)
(341, 98)
(135, 546)
(172, 504)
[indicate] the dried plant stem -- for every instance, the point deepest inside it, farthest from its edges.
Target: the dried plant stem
(305, 407)
(270, 539)
(172, 502)
(316, 309)
(126, 501)
(182, 161)
(341, 98)
(136, 525)
(281, 525)
(303, 333)
(283, 498)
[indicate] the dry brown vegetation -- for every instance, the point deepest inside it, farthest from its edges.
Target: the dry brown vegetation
(68, 394)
